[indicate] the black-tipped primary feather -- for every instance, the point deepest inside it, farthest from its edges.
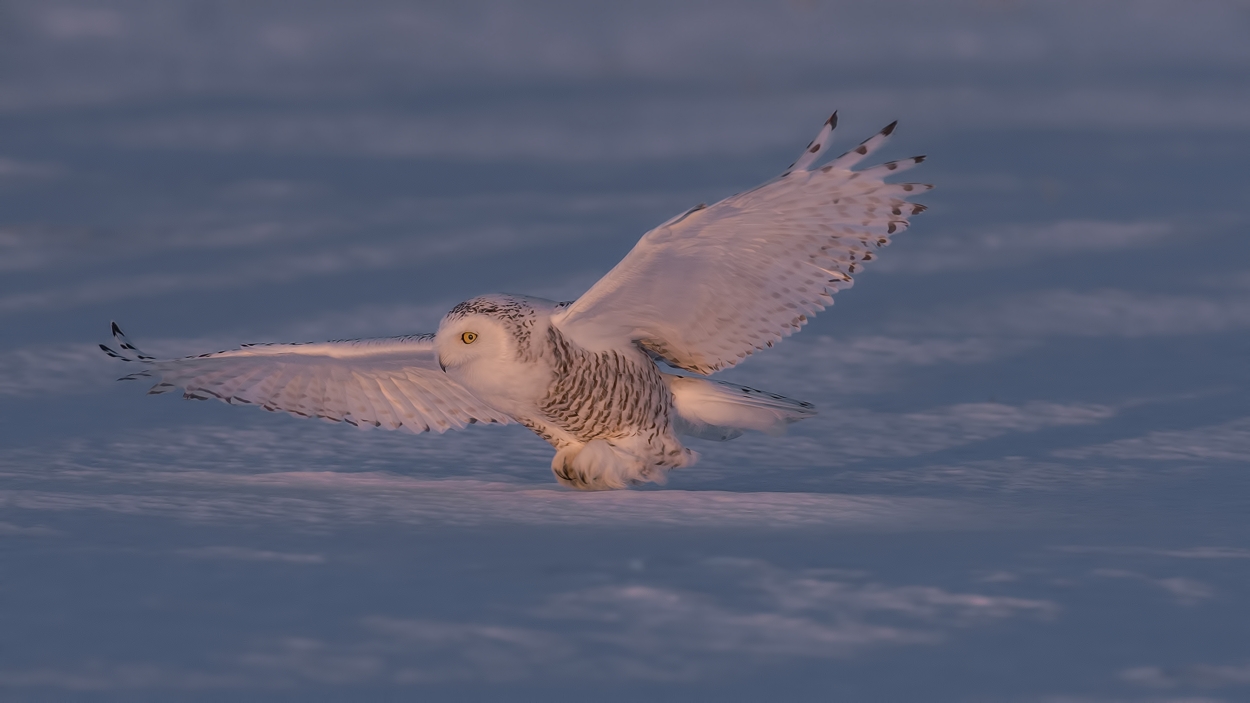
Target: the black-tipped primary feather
(816, 148)
(114, 354)
(859, 153)
(124, 344)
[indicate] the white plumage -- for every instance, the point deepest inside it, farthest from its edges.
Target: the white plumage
(700, 292)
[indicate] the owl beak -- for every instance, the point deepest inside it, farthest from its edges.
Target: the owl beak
(441, 365)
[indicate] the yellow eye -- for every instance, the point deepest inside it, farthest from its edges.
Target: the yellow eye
(468, 337)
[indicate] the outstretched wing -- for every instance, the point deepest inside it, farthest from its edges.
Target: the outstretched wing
(713, 285)
(392, 382)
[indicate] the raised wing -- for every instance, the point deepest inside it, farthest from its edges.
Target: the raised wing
(392, 382)
(715, 284)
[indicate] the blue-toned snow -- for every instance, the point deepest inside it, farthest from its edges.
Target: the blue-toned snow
(1028, 480)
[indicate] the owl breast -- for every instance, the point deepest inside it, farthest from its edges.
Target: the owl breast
(603, 395)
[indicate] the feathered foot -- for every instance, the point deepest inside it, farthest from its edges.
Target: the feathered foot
(602, 464)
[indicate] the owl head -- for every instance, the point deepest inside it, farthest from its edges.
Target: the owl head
(490, 334)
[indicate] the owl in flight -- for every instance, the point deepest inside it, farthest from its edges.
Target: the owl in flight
(700, 293)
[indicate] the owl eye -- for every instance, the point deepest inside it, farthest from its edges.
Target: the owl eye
(468, 337)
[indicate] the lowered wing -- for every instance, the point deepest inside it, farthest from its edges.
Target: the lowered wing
(392, 382)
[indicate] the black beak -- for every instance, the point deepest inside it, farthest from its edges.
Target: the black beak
(441, 365)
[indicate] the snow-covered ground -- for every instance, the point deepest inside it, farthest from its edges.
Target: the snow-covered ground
(1028, 481)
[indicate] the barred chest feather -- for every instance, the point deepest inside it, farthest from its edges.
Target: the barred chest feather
(602, 395)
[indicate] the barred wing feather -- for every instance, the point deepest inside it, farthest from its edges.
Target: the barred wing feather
(715, 284)
(395, 382)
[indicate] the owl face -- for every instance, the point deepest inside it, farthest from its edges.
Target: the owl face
(469, 344)
(491, 345)
(480, 352)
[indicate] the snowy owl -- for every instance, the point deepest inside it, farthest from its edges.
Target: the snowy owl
(700, 293)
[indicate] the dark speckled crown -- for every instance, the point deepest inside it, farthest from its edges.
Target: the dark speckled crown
(517, 313)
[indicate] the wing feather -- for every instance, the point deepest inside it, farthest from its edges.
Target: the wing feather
(848, 160)
(713, 285)
(813, 151)
(393, 382)
(403, 408)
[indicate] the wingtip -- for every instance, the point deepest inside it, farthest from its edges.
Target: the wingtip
(833, 120)
(913, 187)
(889, 129)
(114, 328)
(919, 159)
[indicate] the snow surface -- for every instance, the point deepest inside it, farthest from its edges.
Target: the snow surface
(1028, 480)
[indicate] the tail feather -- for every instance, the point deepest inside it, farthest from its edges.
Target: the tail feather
(720, 411)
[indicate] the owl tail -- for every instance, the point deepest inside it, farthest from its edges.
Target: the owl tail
(719, 411)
